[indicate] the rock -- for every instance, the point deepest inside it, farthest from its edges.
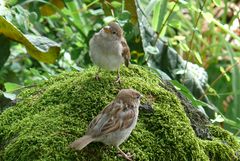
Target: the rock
(53, 114)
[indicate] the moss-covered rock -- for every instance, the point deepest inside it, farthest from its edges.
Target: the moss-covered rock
(50, 116)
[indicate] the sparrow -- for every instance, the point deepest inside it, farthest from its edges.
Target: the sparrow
(114, 124)
(109, 49)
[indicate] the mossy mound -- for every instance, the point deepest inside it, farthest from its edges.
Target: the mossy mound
(50, 116)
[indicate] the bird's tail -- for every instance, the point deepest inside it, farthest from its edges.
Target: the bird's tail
(80, 143)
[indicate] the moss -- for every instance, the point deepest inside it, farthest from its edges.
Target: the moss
(56, 112)
(223, 146)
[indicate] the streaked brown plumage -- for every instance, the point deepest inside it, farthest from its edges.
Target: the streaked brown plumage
(115, 122)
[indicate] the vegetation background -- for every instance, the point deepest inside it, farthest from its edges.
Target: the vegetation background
(196, 44)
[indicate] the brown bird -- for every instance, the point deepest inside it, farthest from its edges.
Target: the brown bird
(109, 49)
(115, 122)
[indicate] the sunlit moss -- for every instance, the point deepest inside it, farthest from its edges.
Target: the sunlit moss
(53, 114)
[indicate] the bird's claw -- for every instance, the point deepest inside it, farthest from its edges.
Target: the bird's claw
(127, 156)
(118, 80)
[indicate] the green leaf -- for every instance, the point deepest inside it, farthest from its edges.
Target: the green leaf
(197, 56)
(5, 50)
(184, 46)
(175, 24)
(232, 123)
(217, 2)
(159, 13)
(125, 15)
(116, 4)
(235, 111)
(187, 93)
(212, 91)
(150, 7)
(208, 16)
(10, 87)
(40, 48)
(225, 73)
(172, 5)
(73, 7)
(108, 19)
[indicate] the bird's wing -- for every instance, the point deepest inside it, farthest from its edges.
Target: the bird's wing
(126, 52)
(98, 122)
(120, 118)
(112, 118)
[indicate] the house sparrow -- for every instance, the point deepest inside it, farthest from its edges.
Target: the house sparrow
(109, 49)
(115, 122)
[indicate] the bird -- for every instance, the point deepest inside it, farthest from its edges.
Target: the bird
(108, 49)
(114, 124)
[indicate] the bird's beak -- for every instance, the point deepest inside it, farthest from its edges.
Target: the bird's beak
(141, 96)
(107, 29)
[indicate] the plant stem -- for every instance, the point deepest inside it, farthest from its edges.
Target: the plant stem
(191, 41)
(165, 22)
(220, 76)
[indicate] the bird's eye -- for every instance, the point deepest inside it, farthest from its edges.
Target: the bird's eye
(138, 96)
(114, 32)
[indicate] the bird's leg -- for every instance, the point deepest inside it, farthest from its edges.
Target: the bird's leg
(97, 74)
(124, 155)
(118, 76)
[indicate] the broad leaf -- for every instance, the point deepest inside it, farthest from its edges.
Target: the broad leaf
(5, 50)
(10, 87)
(40, 48)
(159, 13)
(217, 2)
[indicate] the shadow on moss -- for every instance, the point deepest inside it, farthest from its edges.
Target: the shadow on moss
(56, 112)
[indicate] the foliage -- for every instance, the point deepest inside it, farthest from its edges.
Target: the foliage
(38, 47)
(203, 37)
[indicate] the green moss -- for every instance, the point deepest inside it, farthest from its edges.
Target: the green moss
(223, 146)
(55, 113)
